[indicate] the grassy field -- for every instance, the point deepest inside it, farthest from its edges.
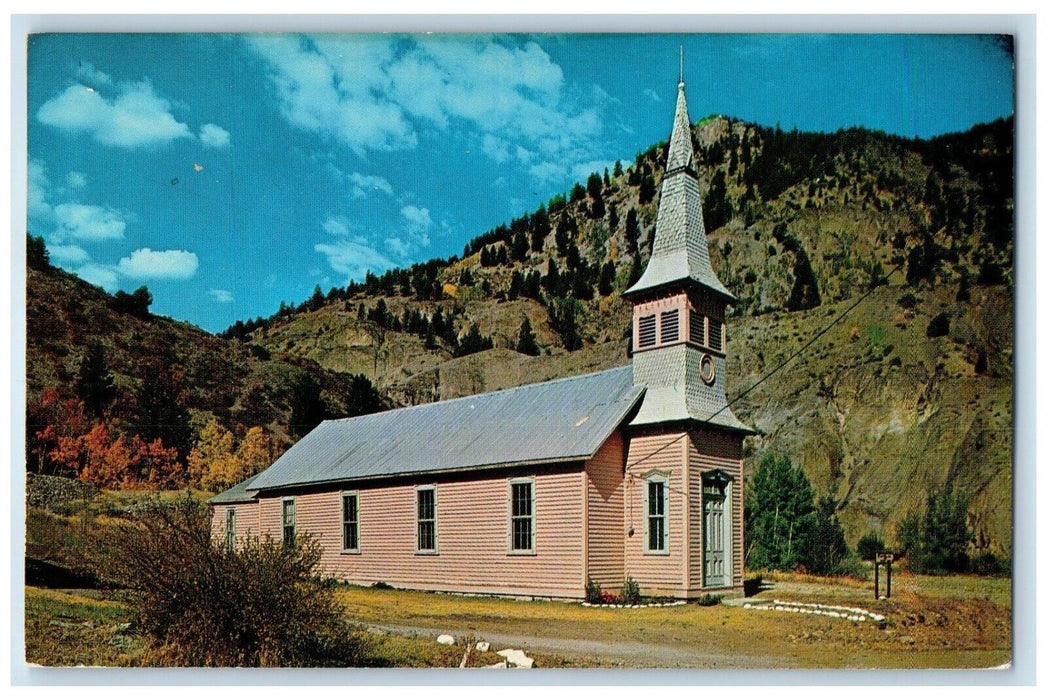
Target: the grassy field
(932, 622)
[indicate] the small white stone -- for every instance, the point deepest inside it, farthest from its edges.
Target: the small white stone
(483, 646)
(585, 604)
(500, 664)
(517, 658)
(445, 639)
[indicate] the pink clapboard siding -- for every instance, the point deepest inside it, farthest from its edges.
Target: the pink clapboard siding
(663, 574)
(708, 450)
(605, 487)
(246, 521)
(472, 514)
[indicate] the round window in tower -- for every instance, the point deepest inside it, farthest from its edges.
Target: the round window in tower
(707, 369)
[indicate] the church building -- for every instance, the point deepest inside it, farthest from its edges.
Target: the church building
(535, 491)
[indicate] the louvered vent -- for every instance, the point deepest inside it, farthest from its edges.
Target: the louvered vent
(715, 335)
(670, 325)
(648, 328)
(697, 328)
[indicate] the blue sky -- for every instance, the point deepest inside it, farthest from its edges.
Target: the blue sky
(230, 172)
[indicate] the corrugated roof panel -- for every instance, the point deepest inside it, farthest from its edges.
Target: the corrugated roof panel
(529, 424)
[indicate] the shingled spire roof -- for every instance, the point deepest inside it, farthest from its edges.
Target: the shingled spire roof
(681, 251)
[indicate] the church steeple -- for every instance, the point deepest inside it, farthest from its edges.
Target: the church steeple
(680, 254)
(679, 305)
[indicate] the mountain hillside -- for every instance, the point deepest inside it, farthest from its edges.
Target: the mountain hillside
(909, 391)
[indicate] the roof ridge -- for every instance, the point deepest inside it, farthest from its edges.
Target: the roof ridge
(557, 380)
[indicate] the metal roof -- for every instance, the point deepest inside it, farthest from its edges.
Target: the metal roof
(560, 420)
(236, 494)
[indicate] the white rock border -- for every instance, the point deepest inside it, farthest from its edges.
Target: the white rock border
(671, 604)
(837, 611)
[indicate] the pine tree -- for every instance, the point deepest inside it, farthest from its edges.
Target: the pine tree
(94, 382)
(36, 255)
(607, 272)
(527, 344)
(307, 406)
(779, 506)
(160, 407)
(824, 547)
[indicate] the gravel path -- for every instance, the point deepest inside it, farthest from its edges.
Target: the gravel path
(627, 653)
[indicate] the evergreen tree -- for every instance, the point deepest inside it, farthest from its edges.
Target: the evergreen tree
(577, 193)
(779, 507)
(647, 189)
(94, 382)
(612, 218)
(824, 548)
(317, 299)
(473, 341)
(36, 255)
(606, 285)
(563, 318)
(617, 169)
(307, 405)
(527, 343)
(540, 228)
(361, 398)
(804, 293)
(520, 246)
(160, 407)
(632, 230)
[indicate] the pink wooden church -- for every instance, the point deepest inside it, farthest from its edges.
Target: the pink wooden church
(533, 491)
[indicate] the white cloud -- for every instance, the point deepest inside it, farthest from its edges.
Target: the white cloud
(353, 257)
(582, 171)
(87, 222)
(37, 206)
(336, 225)
(328, 86)
(378, 94)
(68, 255)
(214, 136)
(89, 75)
(76, 180)
(495, 148)
(221, 296)
(417, 218)
(136, 116)
(651, 95)
(159, 264)
(369, 183)
(397, 246)
(101, 275)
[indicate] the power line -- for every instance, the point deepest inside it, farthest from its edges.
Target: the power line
(761, 380)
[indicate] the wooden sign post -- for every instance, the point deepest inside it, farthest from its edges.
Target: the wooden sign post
(885, 559)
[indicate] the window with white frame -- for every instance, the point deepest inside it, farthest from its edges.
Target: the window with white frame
(351, 522)
(521, 498)
(426, 501)
(230, 529)
(289, 519)
(657, 521)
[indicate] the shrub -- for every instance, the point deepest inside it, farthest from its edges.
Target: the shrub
(709, 600)
(592, 591)
(203, 605)
(869, 545)
(988, 564)
(381, 586)
(908, 301)
(938, 326)
(851, 566)
(631, 591)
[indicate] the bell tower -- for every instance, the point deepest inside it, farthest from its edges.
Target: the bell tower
(679, 335)
(684, 464)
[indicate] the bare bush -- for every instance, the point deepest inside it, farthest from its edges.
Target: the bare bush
(204, 605)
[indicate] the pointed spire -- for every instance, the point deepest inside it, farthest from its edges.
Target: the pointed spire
(681, 153)
(680, 251)
(681, 65)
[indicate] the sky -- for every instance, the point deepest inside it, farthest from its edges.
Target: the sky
(231, 172)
